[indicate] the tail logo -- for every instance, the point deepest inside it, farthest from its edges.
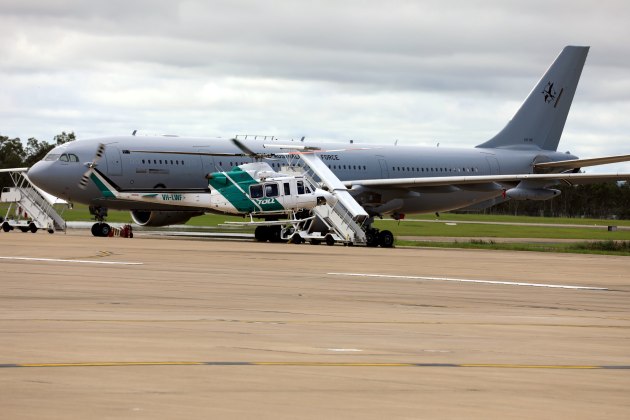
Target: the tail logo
(549, 93)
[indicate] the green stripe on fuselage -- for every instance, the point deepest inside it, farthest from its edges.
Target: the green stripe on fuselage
(104, 190)
(235, 196)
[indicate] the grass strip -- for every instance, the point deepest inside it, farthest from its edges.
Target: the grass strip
(621, 248)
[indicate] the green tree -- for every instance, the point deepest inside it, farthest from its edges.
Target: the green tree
(35, 151)
(64, 138)
(11, 156)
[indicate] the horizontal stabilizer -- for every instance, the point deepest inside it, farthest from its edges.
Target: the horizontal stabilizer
(581, 163)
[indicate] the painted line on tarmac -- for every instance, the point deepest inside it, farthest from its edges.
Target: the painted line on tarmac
(315, 364)
(508, 283)
(70, 261)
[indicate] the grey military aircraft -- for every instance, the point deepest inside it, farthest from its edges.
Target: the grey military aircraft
(521, 162)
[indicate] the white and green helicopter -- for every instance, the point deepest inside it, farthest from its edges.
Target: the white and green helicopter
(252, 189)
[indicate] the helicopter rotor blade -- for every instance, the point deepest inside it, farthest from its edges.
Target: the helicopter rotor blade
(244, 148)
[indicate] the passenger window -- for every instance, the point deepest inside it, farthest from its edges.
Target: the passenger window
(287, 188)
(256, 191)
(271, 190)
(300, 187)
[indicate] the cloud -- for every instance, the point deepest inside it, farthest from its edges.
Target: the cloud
(416, 71)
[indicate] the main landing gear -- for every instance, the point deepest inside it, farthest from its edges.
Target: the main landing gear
(376, 237)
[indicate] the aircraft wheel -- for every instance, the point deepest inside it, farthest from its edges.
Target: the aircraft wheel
(6, 227)
(386, 239)
(104, 229)
(261, 233)
(330, 241)
(372, 238)
(51, 231)
(24, 229)
(297, 239)
(274, 234)
(32, 228)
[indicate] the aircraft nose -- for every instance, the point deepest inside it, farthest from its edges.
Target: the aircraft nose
(36, 174)
(41, 175)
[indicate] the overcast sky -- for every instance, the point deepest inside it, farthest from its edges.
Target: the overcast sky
(419, 72)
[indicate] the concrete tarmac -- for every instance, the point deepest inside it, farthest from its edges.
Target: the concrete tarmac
(152, 328)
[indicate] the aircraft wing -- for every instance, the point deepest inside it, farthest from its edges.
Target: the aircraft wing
(581, 163)
(508, 180)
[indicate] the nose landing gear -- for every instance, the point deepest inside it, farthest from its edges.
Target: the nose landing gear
(100, 228)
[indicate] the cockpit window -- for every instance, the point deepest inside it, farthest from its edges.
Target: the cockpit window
(52, 156)
(66, 157)
(303, 187)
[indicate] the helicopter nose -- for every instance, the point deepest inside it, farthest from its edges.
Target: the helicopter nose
(324, 197)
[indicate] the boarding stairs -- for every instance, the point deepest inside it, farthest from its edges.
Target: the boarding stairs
(30, 208)
(343, 219)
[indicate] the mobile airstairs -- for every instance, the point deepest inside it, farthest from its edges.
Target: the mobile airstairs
(30, 208)
(340, 221)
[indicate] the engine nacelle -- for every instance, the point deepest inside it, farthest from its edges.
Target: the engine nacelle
(538, 194)
(162, 218)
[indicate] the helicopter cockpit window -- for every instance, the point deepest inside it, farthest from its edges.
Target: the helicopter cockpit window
(256, 191)
(304, 187)
(271, 190)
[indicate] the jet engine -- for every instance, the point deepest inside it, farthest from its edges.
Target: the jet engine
(538, 194)
(162, 218)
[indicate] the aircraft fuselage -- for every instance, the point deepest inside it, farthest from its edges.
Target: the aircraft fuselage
(130, 169)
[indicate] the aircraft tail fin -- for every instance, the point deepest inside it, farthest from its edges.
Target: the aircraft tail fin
(541, 118)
